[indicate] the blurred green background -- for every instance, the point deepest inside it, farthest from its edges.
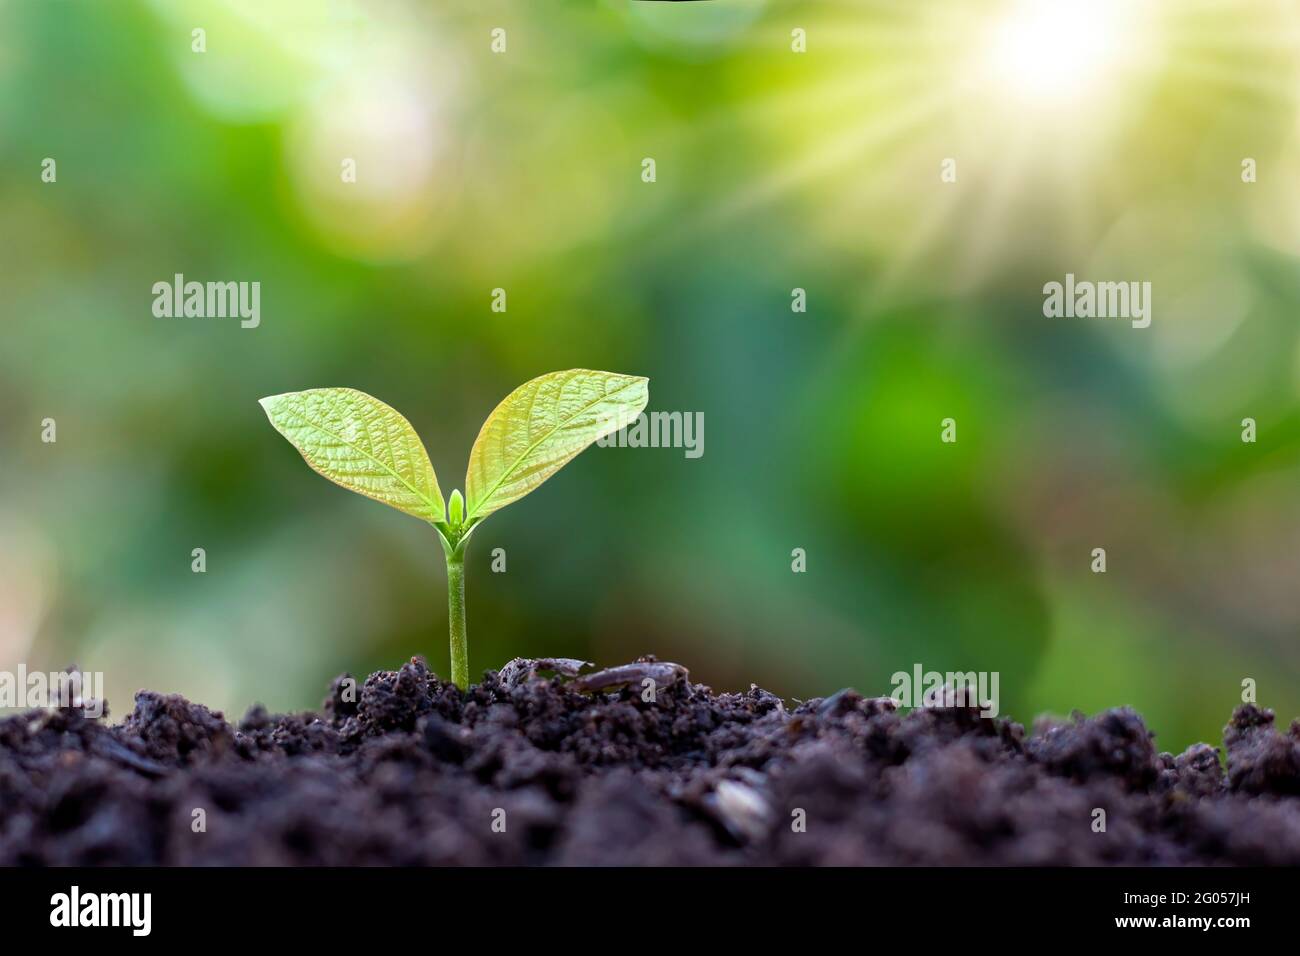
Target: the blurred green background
(776, 170)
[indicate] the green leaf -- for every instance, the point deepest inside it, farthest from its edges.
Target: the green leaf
(358, 442)
(540, 427)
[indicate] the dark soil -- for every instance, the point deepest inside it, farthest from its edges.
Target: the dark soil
(415, 772)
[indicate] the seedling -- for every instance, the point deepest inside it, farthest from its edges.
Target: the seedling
(358, 442)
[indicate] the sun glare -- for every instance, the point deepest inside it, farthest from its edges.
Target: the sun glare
(1054, 51)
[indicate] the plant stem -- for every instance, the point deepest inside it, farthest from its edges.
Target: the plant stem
(456, 616)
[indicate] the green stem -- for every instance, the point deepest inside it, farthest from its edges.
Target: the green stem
(456, 616)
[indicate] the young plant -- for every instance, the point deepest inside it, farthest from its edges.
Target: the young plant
(358, 442)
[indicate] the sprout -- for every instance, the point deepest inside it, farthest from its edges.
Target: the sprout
(358, 442)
